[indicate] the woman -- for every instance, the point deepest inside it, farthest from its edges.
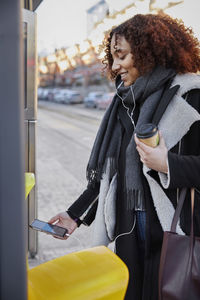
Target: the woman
(133, 188)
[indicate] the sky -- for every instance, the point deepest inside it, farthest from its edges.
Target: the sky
(62, 23)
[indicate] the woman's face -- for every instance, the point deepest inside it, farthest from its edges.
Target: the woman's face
(123, 61)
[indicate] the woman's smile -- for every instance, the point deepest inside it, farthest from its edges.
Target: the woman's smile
(123, 75)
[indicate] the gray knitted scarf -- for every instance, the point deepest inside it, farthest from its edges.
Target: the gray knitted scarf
(147, 92)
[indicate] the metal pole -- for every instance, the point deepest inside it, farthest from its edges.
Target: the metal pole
(12, 213)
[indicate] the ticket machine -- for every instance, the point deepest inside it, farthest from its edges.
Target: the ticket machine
(30, 116)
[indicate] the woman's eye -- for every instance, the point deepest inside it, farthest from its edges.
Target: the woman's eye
(122, 57)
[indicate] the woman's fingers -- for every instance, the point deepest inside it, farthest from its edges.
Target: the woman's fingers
(54, 219)
(63, 216)
(141, 146)
(153, 158)
(143, 150)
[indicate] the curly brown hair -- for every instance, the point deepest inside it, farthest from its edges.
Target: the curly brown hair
(156, 40)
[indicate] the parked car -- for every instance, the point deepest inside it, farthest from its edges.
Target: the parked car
(73, 97)
(92, 98)
(52, 93)
(68, 96)
(39, 92)
(105, 100)
(59, 96)
(43, 94)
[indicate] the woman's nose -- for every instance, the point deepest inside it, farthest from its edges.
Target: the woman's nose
(115, 66)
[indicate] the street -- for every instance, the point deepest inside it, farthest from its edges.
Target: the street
(65, 135)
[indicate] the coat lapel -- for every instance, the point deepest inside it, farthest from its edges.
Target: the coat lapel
(177, 120)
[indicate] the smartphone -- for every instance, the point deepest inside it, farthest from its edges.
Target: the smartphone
(48, 228)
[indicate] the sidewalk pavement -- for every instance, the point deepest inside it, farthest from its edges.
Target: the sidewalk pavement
(59, 180)
(73, 110)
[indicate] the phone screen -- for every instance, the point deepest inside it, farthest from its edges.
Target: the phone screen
(48, 228)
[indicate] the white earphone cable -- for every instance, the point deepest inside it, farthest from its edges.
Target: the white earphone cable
(77, 239)
(130, 115)
(125, 233)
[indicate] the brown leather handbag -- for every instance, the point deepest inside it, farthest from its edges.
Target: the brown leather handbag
(179, 272)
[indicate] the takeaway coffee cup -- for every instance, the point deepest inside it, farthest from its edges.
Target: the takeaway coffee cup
(148, 134)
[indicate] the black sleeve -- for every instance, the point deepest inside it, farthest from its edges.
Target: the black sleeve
(86, 202)
(90, 216)
(184, 170)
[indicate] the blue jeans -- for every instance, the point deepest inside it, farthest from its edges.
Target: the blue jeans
(141, 227)
(141, 224)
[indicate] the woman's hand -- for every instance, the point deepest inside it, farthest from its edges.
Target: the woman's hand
(63, 220)
(153, 158)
